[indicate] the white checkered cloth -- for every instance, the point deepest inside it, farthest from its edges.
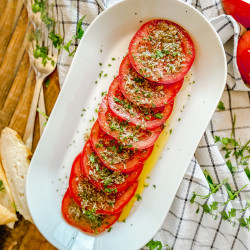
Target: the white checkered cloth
(183, 227)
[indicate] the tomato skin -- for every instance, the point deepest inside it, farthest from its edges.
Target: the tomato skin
(134, 163)
(147, 139)
(83, 224)
(129, 180)
(170, 91)
(243, 56)
(122, 198)
(240, 10)
(188, 51)
(118, 110)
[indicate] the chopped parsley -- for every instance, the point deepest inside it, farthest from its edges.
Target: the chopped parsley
(56, 39)
(42, 52)
(138, 197)
(221, 106)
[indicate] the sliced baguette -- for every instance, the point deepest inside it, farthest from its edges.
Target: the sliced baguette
(16, 159)
(6, 201)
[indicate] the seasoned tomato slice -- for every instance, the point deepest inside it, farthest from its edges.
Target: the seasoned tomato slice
(161, 51)
(101, 176)
(128, 134)
(146, 117)
(143, 92)
(113, 154)
(87, 221)
(89, 197)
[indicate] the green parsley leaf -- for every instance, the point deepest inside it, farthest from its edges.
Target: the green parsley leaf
(206, 208)
(214, 205)
(245, 223)
(230, 166)
(79, 30)
(67, 45)
(56, 39)
(49, 22)
(232, 195)
(158, 116)
(221, 106)
(247, 171)
(92, 158)
(193, 198)
(154, 245)
(38, 6)
(138, 197)
(1, 186)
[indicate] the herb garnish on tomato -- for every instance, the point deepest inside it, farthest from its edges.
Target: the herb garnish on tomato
(102, 177)
(146, 117)
(113, 154)
(161, 51)
(143, 92)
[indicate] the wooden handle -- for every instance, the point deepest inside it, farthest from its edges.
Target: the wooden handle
(29, 130)
(41, 106)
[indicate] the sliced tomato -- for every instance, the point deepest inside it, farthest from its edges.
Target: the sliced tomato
(89, 197)
(143, 92)
(161, 51)
(128, 134)
(146, 117)
(243, 57)
(102, 177)
(114, 155)
(239, 9)
(89, 222)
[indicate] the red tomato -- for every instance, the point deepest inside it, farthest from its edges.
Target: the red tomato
(148, 118)
(243, 57)
(108, 149)
(239, 9)
(91, 225)
(161, 51)
(102, 177)
(88, 197)
(142, 92)
(128, 134)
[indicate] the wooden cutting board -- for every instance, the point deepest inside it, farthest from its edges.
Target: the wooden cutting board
(17, 81)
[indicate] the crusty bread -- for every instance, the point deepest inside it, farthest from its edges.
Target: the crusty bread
(16, 159)
(6, 202)
(6, 216)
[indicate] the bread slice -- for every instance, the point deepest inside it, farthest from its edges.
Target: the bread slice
(6, 216)
(6, 201)
(16, 159)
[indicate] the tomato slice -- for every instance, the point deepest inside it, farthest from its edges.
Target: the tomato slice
(161, 51)
(142, 92)
(113, 154)
(89, 197)
(243, 57)
(88, 222)
(102, 177)
(146, 117)
(128, 134)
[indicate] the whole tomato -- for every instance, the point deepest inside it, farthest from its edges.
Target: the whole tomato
(239, 9)
(243, 57)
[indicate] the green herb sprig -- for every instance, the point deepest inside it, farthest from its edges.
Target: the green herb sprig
(1, 186)
(214, 207)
